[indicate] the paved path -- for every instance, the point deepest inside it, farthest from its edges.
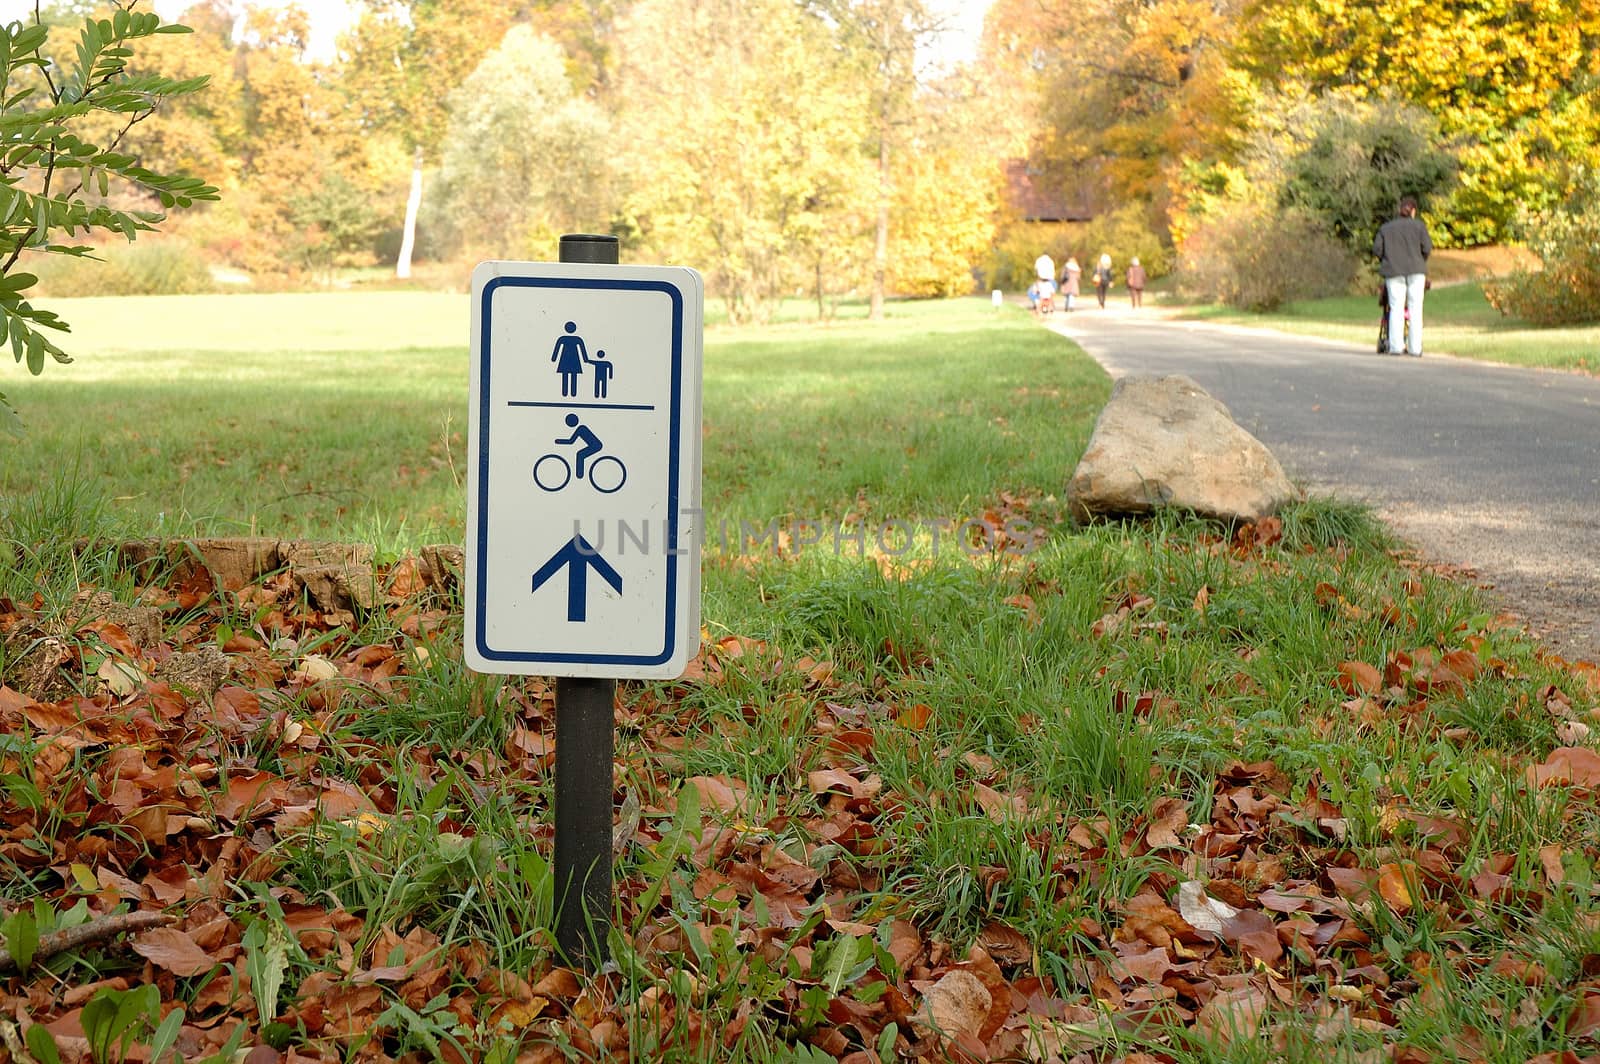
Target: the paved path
(1493, 468)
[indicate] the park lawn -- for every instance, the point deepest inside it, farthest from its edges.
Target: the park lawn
(981, 783)
(1457, 320)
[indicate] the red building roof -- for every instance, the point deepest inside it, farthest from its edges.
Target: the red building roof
(1039, 199)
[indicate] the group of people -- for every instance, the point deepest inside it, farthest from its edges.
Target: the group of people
(1402, 247)
(1041, 293)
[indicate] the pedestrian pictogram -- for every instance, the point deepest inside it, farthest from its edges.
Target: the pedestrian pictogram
(585, 430)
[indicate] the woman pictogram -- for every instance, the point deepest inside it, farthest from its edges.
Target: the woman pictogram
(569, 356)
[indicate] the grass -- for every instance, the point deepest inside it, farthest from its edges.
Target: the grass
(1012, 723)
(1457, 319)
(342, 415)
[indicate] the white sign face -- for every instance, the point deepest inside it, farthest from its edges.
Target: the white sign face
(583, 471)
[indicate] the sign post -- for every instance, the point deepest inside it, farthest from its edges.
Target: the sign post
(583, 516)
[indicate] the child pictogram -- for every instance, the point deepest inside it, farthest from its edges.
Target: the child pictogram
(602, 373)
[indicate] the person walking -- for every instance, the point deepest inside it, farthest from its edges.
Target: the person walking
(1136, 281)
(1402, 247)
(1102, 279)
(1070, 273)
(1044, 268)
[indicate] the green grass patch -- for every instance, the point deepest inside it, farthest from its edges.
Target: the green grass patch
(895, 765)
(1457, 320)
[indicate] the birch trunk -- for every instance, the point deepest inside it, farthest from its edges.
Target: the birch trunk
(408, 239)
(880, 247)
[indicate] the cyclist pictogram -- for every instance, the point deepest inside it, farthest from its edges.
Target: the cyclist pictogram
(605, 474)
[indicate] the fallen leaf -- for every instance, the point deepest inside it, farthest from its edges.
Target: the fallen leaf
(719, 792)
(1233, 1015)
(314, 668)
(120, 678)
(1573, 766)
(1169, 817)
(170, 948)
(956, 1005)
(1201, 912)
(914, 717)
(1393, 886)
(825, 780)
(999, 807)
(1357, 677)
(1572, 732)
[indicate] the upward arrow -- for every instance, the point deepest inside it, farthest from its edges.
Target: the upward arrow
(576, 557)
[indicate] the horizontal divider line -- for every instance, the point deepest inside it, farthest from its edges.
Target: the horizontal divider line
(579, 406)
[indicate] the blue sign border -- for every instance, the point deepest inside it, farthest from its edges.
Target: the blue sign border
(481, 605)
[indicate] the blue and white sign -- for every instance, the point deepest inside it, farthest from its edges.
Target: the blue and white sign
(583, 475)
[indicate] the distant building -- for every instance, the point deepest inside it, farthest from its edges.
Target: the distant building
(1036, 197)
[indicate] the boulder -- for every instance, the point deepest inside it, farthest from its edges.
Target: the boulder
(1164, 441)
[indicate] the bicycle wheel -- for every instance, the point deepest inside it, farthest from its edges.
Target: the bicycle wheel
(607, 474)
(551, 472)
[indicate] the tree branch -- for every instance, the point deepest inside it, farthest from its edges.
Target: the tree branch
(13, 1043)
(1130, 75)
(97, 930)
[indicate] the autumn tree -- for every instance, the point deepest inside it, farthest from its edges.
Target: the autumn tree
(1127, 101)
(880, 39)
(1515, 82)
(299, 137)
(947, 180)
(402, 60)
(742, 141)
(204, 132)
(519, 168)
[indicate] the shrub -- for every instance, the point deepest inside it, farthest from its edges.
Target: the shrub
(1360, 158)
(1125, 233)
(1256, 259)
(1010, 262)
(1566, 291)
(151, 268)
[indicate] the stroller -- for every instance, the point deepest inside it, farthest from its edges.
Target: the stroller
(1383, 318)
(1383, 321)
(1042, 294)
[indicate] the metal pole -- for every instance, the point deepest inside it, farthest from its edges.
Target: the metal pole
(585, 746)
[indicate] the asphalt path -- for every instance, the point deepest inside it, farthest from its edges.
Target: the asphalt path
(1492, 469)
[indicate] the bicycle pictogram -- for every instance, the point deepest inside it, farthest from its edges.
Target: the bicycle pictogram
(605, 473)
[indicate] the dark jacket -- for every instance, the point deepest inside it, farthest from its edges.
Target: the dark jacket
(1403, 247)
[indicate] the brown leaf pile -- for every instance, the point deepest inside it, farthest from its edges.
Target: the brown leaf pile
(1256, 913)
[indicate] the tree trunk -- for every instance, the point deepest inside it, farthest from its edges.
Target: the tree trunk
(408, 239)
(880, 247)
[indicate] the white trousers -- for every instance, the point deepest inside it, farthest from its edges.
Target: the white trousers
(1405, 300)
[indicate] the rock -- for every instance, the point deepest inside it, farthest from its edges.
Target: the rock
(233, 563)
(143, 624)
(442, 565)
(1164, 441)
(333, 587)
(200, 671)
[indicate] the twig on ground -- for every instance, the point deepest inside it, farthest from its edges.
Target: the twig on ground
(96, 930)
(13, 1043)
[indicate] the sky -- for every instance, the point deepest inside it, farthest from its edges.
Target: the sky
(329, 18)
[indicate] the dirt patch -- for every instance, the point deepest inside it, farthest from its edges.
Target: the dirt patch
(1457, 265)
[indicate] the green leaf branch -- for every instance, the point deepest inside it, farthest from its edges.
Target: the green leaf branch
(47, 116)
